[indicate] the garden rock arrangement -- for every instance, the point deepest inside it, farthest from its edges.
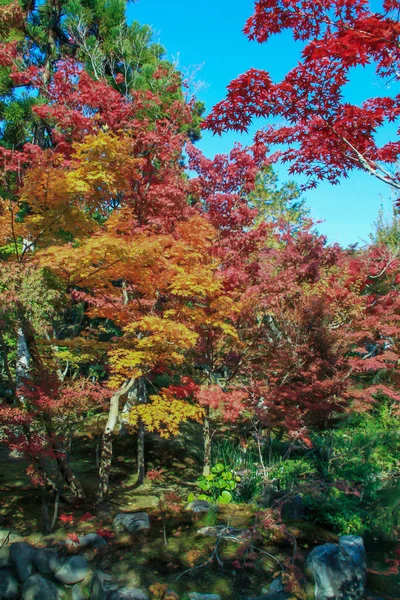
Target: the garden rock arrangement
(30, 573)
(339, 570)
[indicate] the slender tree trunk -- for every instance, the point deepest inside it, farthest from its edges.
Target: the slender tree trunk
(106, 449)
(140, 454)
(141, 466)
(207, 442)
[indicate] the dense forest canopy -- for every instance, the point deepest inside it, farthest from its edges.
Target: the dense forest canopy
(136, 297)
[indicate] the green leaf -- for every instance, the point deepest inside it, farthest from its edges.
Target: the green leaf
(190, 497)
(224, 498)
(218, 468)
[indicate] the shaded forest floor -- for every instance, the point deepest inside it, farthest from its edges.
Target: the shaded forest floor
(171, 552)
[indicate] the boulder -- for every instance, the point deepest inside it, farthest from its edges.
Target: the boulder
(46, 560)
(102, 586)
(37, 587)
(9, 584)
(339, 570)
(21, 555)
(128, 594)
(199, 506)
(73, 570)
(5, 560)
(131, 522)
(92, 540)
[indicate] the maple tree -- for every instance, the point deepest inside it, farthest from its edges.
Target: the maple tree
(324, 136)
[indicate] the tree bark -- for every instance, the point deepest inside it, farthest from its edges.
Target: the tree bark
(207, 443)
(141, 465)
(107, 440)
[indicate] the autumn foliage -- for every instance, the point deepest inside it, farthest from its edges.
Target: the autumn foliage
(134, 293)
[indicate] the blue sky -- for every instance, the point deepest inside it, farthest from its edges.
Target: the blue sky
(210, 34)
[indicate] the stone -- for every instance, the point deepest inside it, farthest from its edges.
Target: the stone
(9, 585)
(5, 560)
(128, 594)
(199, 506)
(276, 585)
(339, 570)
(73, 570)
(92, 540)
(21, 556)
(131, 522)
(37, 587)
(46, 560)
(199, 596)
(293, 508)
(225, 532)
(102, 586)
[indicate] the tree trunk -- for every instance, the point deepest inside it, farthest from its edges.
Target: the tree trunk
(141, 467)
(140, 454)
(107, 440)
(207, 442)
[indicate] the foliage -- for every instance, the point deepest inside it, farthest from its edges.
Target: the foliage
(323, 135)
(218, 485)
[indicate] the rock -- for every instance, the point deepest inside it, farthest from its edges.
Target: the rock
(5, 560)
(128, 594)
(9, 584)
(276, 585)
(293, 508)
(199, 596)
(199, 506)
(92, 540)
(102, 586)
(339, 570)
(21, 556)
(224, 532)
(131, 522)
(73, 570)
(46, 560)
(37, 587)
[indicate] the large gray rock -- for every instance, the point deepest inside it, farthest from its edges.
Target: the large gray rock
(73, 570)
(9, 585)
(131, 522)
(46, 560)
(92, 540)
(21, 555)
(199, 506)
(102, 586)
(37, 587)
(5, 560)
(339, 570)
(128, 594)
